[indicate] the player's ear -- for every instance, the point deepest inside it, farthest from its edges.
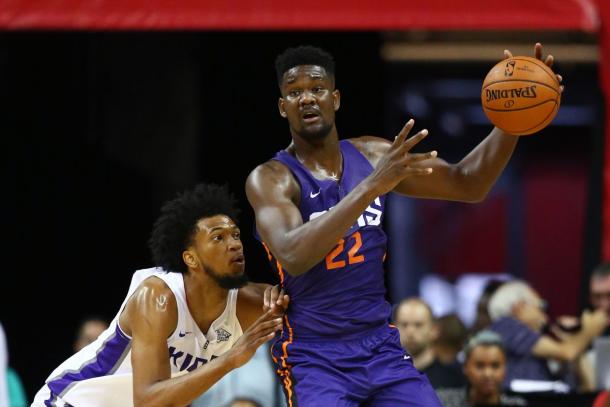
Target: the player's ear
(190, 259)
(280, 106)
(336, 99)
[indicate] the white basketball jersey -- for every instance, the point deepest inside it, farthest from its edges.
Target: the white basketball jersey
(100, 375)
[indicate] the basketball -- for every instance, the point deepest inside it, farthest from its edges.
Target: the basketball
(520, 95)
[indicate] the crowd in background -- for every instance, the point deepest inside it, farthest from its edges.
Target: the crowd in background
(510, 352)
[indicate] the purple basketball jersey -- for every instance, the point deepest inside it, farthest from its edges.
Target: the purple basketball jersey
(343, 295)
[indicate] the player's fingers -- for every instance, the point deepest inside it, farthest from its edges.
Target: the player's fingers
(422, 156)
(280, 297)
(267, 316)
(259, 341)
(507, 54)
(266, 326)
(549, 60)
(538, 51)
(267, 299)
(419, 171)
(412, 141)
(283, 301)
(400, 138)
(559, 78)
(561, 88)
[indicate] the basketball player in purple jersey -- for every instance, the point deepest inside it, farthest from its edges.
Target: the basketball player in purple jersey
(319, 206)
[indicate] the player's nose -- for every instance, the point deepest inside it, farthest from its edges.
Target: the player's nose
(307, 98)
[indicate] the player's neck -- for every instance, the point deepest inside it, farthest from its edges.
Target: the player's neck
(321, 156)
(205, 298)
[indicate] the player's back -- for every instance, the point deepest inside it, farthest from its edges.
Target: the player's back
(343, 295)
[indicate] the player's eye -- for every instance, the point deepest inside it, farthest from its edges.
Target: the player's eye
(317, 89)
(236, 235)
(217, 238)
(294, 93)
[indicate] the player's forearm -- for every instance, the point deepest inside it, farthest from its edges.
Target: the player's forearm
(181, 391)
(480, 169)
(305, 246)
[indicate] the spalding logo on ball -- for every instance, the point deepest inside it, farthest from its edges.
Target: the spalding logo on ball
(521, 95)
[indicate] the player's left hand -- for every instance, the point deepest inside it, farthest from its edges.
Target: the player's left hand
(276, 300)
(549, 60)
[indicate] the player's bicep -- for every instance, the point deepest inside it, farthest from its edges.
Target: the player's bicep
(271, 192)
(152, 316)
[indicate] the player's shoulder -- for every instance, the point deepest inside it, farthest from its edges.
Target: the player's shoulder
(370, 146)
(271, 175)
(270, 169)
(154, 303)
(153, 294)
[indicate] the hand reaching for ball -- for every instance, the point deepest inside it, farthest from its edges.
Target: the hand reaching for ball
(521, 95)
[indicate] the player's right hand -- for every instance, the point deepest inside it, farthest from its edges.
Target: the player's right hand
(261, 331)
(398, 163)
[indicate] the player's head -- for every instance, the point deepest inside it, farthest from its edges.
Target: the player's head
(518, 300)
(197, 232)
(309, 100)
(485, 363)
(415, 322)
(599, 287)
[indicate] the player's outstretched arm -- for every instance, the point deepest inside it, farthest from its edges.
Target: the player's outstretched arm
(274, 194)
(150, 317)
(470, 179)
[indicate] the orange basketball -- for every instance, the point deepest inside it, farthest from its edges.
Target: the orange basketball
(520, 95)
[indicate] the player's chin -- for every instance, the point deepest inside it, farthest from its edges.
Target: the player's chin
(237, 268)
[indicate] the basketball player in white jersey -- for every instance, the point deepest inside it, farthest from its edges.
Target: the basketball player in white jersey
(182, 325)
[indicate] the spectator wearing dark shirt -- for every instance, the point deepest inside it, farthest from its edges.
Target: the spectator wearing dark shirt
(484, 367)
(450, 339)
(414, 319)
(518, 315)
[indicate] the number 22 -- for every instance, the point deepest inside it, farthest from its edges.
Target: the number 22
(352, 256)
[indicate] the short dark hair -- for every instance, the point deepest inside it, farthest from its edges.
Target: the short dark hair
(174, 229)
(483, 338)
(601, 271)
(303, 55)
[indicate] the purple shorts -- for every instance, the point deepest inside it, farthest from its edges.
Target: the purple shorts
(373, 371)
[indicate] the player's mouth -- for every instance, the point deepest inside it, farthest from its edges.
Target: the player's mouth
(239, 259)
(310, 116)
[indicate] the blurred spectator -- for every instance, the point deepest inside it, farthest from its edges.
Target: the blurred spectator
(485, 368)
(88, 332)
(255, 383)
(450, 339)
(414, 319)
(599, 288)
(599, 297)
(482, 319)
(12, 393)
(242, 402)
(3, 367)
(518, 315)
